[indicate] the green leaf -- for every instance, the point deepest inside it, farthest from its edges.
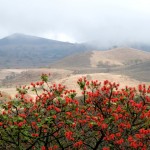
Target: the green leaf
(69, 122)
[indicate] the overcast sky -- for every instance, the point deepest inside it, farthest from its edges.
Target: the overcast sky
(78, 20)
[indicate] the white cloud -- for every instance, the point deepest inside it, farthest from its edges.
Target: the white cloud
(78, 20)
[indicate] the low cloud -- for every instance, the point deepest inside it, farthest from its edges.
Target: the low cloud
(102, 21)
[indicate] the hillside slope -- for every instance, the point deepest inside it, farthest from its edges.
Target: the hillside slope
(24, 51)
(80, 60)
(124, 61)
(103, 59)
(119, 57)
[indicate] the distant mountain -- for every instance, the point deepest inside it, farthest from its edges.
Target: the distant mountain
(24, 51)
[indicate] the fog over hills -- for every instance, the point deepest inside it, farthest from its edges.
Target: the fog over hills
(24, 51)
(21, 51)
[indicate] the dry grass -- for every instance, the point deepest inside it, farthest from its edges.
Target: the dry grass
(119, 57)
(71, 81)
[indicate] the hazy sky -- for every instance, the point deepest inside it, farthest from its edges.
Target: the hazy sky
(106, 21)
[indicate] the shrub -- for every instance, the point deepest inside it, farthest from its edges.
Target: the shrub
(107, 118)
(4, 97)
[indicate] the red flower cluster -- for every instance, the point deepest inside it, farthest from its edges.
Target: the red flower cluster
(105, 117)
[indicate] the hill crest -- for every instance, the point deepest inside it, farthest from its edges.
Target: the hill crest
(119, 57)
(25, 51)
(103, 59)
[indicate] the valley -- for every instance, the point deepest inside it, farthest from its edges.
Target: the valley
(24, 58)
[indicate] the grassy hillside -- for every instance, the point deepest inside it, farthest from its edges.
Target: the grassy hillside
(125, 61)
(103, 59)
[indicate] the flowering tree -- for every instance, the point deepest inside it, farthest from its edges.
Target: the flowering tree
(104, 118)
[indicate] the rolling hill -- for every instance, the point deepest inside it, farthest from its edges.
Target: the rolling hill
(80, 60)
(118, 57)
(125, 61)
(12, 78)
(122, 65)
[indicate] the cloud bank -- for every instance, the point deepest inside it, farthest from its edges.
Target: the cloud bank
(103, 21)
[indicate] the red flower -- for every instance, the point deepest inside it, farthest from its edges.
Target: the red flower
(1, 123)
(78, 144)
(20, 124)
(35, 134)
(54, 116)
(104, 126)
(33, 123)
(57, 109)
(68, 113)
(43, 148)
(134, 144)
(23, 115)
(69, 135)
(130, 138)
(111, 137)
(55, 147)
(106, 148)
(118, 134)
(120, 141)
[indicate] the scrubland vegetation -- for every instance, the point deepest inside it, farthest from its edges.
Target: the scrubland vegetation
(105, 117)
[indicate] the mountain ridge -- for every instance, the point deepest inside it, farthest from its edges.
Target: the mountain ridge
(27, 38)
(23, 51)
